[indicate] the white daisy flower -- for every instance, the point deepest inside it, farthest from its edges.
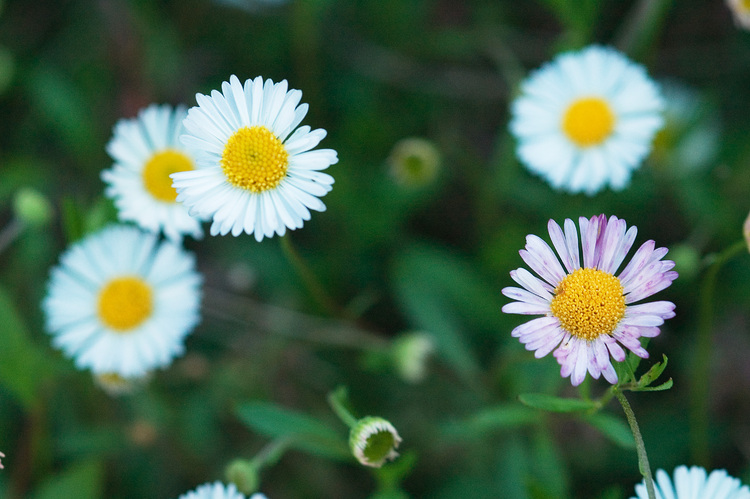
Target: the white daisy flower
(588, 311)
(257, 171)
(146, 150)
(217, 490)
(586, 119)
(741, 12)
(121, 303)
(693, 483)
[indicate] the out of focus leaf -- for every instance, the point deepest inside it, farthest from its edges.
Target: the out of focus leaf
(22, 369)
(556, 404)
(613, 428)
(498, 418)
(80, 481)
(439, 294)
(304, 432)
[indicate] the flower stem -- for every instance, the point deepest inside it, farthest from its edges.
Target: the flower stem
(701, 366)
(337, 400)
(640, 447)
(309, 279)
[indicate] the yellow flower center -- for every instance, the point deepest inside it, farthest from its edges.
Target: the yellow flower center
(589, 303)
(124, 303)
(745, 5)
(157, 170)
(254, 159)
(588, 121)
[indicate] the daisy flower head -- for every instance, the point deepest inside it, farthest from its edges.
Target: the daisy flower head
(121, 303)
(589, 311)
(586, 119)
(741, 12)
(257, 170)
(216, 490)
(692, 483)
(146, 151)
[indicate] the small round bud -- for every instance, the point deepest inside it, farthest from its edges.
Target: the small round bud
(373, 441)
(31, 207)
(244, 475)
(411, 352)
(414, 162)
(687, 261)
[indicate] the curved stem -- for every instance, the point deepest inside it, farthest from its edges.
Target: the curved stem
(337, 400)
(308, 277)
(640, 447)
(701, 366)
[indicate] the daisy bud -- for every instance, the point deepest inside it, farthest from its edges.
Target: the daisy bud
(410, 354)
(746, 231)
(244, 475)
(1, 464)
(414, 162)
(374, 441)
(31, 207)
(741, 12)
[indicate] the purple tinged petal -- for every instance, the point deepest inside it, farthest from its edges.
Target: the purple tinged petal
(613, 235)
(653, 286)
(533, 325)
(664, 309)
(525, 308)
(615, 350)
(609, 373)
(543, 253)
(532, 283)
(537, 266)
(552, 341)
(581, 359)
(639, 260)
(571, 241)
(524, 296)
(558, 240)
(642, 320)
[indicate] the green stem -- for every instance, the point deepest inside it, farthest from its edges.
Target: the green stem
(271, 453)
(699, 410)
(640, 447)
(309, 279)
(337, 399)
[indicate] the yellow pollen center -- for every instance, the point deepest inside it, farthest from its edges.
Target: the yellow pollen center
(157, 170)
(745, 4)
(254, 159)
(124, 303)
(589, 303)
(588, 121)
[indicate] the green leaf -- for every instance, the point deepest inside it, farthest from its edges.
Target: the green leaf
(653, 373)
(22, 366)
(80, 481)
(556, 404)
(664, 386)
(613, 428)
(304, 432)
(499, 418)
(441, 294)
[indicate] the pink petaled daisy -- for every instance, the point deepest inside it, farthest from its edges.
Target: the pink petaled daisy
(588, 310)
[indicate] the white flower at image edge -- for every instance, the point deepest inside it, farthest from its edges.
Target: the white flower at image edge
(257, 170)
(589, 312)
(121, 303)
(693, 483)
(586, 120)
(146, 151)
(217, 490)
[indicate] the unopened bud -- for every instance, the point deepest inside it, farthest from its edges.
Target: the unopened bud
(244, 475)
(373, 441)
(414, 162)
(411, 352)
(31, 207)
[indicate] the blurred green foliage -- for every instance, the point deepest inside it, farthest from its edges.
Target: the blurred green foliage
(395, 259)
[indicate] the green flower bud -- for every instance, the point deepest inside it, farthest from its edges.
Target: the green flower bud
(410, 354)
(31, 207)
(244, 475)
(414, 162)
(373, 441)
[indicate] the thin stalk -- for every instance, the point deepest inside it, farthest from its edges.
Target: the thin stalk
(699, 410)
(640, 447)
(337, 400)
(309, 278)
